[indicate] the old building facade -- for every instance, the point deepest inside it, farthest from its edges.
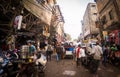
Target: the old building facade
(60, 26)
(88, 24)
(24, 20)
(57, 25)
(109, 20)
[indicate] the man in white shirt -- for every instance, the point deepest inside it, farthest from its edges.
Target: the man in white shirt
(82, 54)
(97, 54)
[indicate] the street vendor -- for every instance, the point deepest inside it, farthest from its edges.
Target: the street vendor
(32, 48)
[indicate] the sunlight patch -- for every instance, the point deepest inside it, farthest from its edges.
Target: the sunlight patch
(69, 73)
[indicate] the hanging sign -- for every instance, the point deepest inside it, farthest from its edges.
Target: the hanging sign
(18, 21)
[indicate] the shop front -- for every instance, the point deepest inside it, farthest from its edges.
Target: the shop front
(115, 37)
(112, 37)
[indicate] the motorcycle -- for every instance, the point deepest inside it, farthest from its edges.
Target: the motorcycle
(90, 64)
(41, 62)
(31, 68)
(7, 66)
(3, 64)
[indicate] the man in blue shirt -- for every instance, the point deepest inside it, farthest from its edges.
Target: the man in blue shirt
(32, 48)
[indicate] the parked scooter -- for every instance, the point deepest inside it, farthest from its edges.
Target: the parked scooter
(3, 64)
(41, 62)
(33, 67)
(7, 66)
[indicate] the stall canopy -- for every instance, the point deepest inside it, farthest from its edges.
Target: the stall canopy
(41, 10)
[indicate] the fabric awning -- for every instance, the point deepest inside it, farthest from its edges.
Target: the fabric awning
(42, 12)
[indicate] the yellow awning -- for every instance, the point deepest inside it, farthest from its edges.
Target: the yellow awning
(85, 41)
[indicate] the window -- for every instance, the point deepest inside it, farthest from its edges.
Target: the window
(94, 13)
(40, 1)
(93, 5)
(111, 15)
(95, 0)
(98, 1)
(103, 20)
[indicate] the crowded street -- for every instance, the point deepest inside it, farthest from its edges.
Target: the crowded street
(59, 38)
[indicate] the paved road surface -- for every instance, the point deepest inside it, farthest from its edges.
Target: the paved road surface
(67, 68)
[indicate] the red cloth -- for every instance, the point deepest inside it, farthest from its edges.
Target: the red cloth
(78, 51)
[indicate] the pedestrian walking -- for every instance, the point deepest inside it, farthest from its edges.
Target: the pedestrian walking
(78, 55)
(49, 52)
(105, 54)
(58, 52)
(113, 49)
(97, 56)
(62, 51)
(82, 54)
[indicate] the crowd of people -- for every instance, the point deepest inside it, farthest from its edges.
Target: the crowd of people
(106, 54)
(111, 54)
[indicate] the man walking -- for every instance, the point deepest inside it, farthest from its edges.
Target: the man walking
(58, 51)
(49, 52)
(97, 54)
(78, 55)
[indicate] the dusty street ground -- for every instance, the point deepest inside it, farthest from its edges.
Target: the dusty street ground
(67, 68)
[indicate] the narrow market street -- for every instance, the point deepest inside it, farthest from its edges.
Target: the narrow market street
(67, 68)
(36, 35)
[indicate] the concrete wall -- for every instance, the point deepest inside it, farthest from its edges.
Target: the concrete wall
(101, 4)
(118, 2)
(40, 10)
(89, 18)
(59, 24)
(104, 8)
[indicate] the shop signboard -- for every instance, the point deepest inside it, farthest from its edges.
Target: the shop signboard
(85, 41)
(18, 21)
(105, 33)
